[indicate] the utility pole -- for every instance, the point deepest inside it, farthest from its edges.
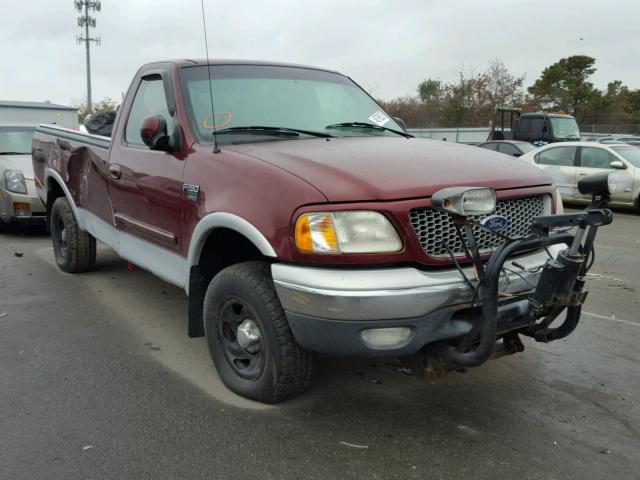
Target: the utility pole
(86, 21)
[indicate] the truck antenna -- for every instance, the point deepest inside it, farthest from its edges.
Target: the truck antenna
(216, 149)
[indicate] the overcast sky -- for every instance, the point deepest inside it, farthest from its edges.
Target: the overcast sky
(386, 46)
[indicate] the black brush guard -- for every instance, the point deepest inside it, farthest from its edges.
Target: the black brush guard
(560, 286)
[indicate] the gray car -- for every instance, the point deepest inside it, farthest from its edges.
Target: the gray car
(18, 200)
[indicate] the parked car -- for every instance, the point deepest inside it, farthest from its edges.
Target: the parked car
(635, 143)
(618, 139)
(509, 147)
(19, 202)
(568, 162)
(301, 220)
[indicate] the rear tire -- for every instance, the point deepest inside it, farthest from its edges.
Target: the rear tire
(278, 369)
(74, 249)
(5, 227)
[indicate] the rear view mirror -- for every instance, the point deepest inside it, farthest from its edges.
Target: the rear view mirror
(617, 164)
(153, 132)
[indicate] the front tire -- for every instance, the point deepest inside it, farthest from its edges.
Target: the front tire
(74, 249)
(249, 338)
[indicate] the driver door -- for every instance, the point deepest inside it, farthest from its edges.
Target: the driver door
(559, 162)
(145, 185)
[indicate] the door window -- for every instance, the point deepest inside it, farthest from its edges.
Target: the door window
(489, 146)
(558, 156)
(508, 149)
(591, 157)
(531, 127)
(150, 100)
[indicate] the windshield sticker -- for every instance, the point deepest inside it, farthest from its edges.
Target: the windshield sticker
(222, 122)
(379, 118)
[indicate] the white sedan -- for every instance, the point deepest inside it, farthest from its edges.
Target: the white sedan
(18, 200)
(568, 162)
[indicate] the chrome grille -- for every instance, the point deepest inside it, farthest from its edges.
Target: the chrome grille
(434, 228)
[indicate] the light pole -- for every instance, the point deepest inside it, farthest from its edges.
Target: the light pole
(86, 21)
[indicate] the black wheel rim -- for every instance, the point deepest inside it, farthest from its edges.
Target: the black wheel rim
(60, 235)
(246, 364)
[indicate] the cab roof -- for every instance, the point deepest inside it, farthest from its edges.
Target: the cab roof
(190, 62)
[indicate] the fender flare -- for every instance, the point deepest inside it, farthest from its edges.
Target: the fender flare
(51, 173)
(230, 221)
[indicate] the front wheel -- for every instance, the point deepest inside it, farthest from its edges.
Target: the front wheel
(249, 338)
(74, 249)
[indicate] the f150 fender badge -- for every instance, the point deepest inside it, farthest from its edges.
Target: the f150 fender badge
(191, 190)
(495, 222)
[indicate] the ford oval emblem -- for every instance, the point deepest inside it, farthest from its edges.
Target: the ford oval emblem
(495, 222)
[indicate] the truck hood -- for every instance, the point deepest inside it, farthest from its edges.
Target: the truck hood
(386, 168)
(17, 162)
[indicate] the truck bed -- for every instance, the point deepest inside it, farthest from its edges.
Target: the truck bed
(80, 160)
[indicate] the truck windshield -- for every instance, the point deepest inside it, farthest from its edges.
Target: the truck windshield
(15, 140)
(565, 128)
(279, 97)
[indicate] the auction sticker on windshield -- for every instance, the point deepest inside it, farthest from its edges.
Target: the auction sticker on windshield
(379, 118)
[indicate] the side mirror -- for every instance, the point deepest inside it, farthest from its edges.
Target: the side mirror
(153, 132)
(516, 154)
(617, 164)
(400, 122)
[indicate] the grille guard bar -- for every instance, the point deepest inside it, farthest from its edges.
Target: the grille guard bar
(560, 286)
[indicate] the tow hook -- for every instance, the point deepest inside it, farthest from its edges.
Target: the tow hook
(429, 368)
(511, 344)
(432, 368)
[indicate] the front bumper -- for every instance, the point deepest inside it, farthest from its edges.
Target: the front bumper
(35, 214)
(328, 309)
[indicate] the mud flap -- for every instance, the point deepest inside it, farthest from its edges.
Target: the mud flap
(197, 290)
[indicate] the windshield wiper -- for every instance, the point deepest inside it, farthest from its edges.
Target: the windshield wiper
(15, 153)
(275, 130)
(367, 125)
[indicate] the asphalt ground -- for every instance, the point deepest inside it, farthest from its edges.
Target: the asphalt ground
(98, 380)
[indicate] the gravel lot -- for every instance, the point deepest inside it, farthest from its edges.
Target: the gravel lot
(99, 380)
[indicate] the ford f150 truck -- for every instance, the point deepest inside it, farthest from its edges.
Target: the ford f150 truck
(301, 219)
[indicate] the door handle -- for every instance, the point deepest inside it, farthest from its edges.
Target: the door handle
(114, 171)
(582, 174)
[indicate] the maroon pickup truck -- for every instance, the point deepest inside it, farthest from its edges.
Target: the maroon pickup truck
(301, 219)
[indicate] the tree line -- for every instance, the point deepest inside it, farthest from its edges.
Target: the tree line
(562, 87)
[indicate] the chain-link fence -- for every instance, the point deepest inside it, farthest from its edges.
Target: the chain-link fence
(610, 129)
(480, 134)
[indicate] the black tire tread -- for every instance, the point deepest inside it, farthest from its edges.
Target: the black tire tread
(5, 227)
(298, 365)
(81, 246)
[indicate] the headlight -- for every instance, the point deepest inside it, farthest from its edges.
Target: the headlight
(357, 231)
(465, 201)
(14, 181)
